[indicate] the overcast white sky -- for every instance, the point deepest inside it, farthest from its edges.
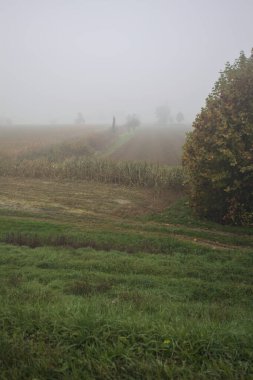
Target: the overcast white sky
(106, 57)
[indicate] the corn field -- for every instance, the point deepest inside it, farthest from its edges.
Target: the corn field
(119, 172)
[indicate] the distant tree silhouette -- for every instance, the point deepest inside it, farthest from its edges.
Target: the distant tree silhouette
(79, 119)
(180, 117)
(114, 124)
(132, 122)
(163, 115)
(5, 121)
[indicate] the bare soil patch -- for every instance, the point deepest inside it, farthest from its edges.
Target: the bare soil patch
(79, 201)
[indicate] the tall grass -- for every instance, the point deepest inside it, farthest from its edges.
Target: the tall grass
(83, 314)
(121, 172)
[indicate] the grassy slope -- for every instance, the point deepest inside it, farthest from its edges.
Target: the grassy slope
(177, 307)
(120, 141)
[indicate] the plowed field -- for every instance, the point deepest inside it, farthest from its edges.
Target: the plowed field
(163, 145)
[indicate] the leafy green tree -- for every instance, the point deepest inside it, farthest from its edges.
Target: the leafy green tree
(218, 154)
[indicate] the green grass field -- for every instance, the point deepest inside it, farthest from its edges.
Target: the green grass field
(104, 282)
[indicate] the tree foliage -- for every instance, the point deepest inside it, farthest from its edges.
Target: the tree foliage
(218, 154)
(180, 117)
(163, 115)
(132, 122)
(80, 119)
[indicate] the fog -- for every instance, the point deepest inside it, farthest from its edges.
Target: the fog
(115, 57)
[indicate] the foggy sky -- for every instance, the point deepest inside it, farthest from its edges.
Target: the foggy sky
(115, 57)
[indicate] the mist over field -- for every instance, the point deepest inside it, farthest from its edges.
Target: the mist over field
(126, 230)
(105, 58)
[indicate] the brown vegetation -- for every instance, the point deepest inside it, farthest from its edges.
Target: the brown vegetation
(153, 144)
